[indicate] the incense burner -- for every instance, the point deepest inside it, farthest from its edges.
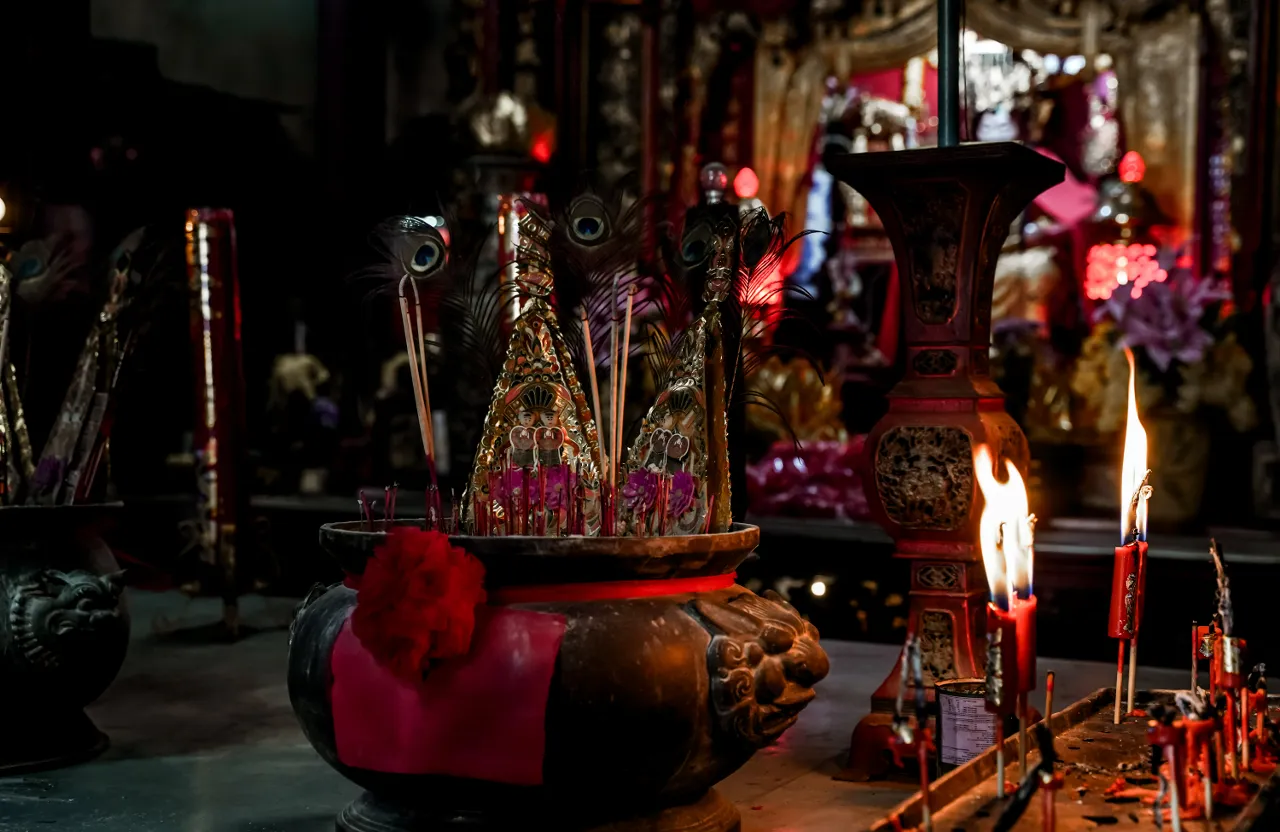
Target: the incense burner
(659, 677)
(64, 635)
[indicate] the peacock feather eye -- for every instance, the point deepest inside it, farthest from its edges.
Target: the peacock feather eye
(696, 245)
(426, 258)
(588, 220)
(422, 250)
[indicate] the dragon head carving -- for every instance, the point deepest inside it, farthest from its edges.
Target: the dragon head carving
(764, 661)
(53, 614)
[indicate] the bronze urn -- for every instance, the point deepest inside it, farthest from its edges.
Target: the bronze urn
(64, 631)
(659, 677)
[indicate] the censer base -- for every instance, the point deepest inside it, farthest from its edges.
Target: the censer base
(371, 813)
(48, 742)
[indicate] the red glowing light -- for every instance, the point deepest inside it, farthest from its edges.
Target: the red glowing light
(1110, 266)
(1132, 168)
(746, 184)
(541, 148)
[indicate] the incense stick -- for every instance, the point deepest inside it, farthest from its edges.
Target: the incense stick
(1048, 701)
(1195, 658)
(1244, 728)
(622, 382)
(424, 423)
(422, 369)
(999, 757)
(1022, 733)
(1133, 669)
(613, 398)
(595, 391)
(1119, 677)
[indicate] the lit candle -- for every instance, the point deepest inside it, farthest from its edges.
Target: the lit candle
(1129, 569)
(1006, 537)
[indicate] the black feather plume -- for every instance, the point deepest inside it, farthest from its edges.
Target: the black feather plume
(419, 259)
(602, 244)
(757, 303)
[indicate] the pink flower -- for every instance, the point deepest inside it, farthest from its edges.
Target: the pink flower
(641, 491)
(1166, 320)
(512, 482)
(681, 497)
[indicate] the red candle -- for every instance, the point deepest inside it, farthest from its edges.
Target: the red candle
(1004, 680)
(1024, 613)
(1128, 579)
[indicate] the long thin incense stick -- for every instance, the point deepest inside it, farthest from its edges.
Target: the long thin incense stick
(1022, 732)
(595, 390)
(622, 382)
(999, 757)
(422, 369)
(424, 419)
(1119, 677)
(613, 402)
(1133, 669)
(1048, 701)
(433, 493)
(1195, 674)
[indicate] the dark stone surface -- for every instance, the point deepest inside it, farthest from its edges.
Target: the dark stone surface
(203, 739)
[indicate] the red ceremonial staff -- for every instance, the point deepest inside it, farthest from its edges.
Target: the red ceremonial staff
(1129, 571)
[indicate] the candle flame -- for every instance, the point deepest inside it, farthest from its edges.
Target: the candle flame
(1134, 468)
(1005, 530)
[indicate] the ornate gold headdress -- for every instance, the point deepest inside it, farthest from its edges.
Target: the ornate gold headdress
(538, 416)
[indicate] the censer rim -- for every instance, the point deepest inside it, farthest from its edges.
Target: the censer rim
(738, 534)
(526, 560)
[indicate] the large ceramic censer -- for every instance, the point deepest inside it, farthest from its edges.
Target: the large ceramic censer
(64, 631)
(610, 683)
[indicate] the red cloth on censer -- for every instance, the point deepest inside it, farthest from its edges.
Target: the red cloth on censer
(428, 680)
(480, 716)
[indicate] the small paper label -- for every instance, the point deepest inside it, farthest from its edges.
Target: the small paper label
(966, 728)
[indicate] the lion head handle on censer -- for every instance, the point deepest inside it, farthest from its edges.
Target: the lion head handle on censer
(764, 660)
(54, 615)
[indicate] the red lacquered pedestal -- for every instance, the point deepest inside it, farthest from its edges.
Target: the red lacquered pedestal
(947, 212)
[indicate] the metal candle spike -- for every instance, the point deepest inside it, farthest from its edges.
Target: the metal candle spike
(1233, 676)
(918, 737)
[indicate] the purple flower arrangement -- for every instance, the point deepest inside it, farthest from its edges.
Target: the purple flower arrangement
(1167, 322)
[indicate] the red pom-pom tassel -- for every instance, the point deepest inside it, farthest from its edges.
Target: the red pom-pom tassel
(417, 602)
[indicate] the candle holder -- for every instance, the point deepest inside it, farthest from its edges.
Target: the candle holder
(947, 212)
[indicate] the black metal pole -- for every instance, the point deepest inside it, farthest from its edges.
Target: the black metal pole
(949, 72)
